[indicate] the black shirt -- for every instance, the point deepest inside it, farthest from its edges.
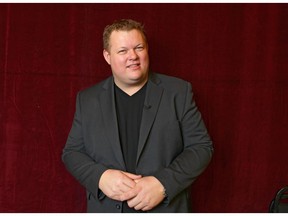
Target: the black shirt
(129, 113)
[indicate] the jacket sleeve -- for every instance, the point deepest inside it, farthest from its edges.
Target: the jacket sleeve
(196, 154)
(75, 158)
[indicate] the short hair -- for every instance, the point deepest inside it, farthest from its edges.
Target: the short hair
(122, 25)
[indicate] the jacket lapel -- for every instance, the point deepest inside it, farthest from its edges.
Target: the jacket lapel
(107, 103)
(151, 104)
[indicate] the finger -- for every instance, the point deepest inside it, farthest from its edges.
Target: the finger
(137, 180)
(125, 188)
(132, 203)
(128, 195)
(146, 208)
(132, 176)
(140, 206)
(128, 182)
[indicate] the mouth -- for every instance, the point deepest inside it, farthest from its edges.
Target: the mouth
(134, 66)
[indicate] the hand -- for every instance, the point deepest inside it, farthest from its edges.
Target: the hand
(115, 184)
(150, 192)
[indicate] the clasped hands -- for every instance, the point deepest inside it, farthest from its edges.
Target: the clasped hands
(141, 193)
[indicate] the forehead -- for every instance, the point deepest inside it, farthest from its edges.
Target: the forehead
(120, 37)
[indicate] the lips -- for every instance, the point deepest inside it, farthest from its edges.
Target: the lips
(134, 66)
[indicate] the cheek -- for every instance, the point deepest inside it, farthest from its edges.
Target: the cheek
(144, 55)
(145, 58)
(118, 62)
(118, 66)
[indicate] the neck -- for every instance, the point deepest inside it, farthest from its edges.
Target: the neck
(131, 89)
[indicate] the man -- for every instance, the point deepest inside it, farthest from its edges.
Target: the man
(138, 140)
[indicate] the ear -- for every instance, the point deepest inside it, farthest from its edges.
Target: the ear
(106, 55)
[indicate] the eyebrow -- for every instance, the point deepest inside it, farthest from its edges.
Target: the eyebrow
(141, 44)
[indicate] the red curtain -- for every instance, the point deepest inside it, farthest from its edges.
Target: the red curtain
(235, 56)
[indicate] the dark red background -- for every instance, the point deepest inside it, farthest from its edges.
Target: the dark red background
(235, 55)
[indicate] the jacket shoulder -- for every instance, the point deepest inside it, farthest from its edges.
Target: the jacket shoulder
(172, 83)
(96, 89)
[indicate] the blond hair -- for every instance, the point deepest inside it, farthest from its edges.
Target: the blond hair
(121, 25)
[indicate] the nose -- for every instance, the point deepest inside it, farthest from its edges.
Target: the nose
(132, 55)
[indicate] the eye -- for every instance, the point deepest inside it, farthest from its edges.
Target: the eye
(140, 48)
(122, 51)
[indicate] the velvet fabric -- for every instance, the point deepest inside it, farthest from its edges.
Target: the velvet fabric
(235, 56)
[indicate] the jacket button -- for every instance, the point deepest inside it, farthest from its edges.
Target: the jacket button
(118, 206)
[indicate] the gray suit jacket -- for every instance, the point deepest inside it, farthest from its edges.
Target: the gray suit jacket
(174, 145)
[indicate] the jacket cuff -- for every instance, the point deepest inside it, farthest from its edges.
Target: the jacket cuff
(93, 186)
(170, 190)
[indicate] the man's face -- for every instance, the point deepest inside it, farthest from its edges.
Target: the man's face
(128, 57)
